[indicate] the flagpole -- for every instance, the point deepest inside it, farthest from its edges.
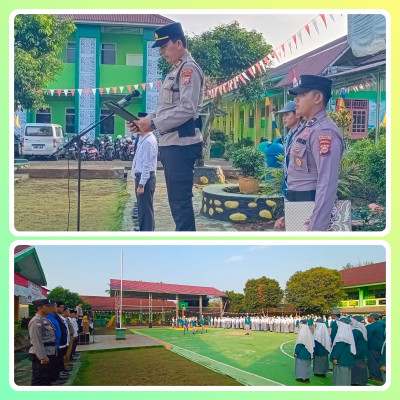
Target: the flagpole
(120, 301)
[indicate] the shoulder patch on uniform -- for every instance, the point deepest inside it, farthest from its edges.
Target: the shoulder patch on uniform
(311, 122)
(186, 75)
(324, 145)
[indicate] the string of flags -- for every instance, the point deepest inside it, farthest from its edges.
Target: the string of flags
(107, 90)
(276, 57)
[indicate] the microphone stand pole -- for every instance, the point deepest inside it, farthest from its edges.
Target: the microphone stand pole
(78, 140)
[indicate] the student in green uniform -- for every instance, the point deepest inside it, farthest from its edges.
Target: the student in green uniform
(322, 347)
(343, 351)
(376, 337)
(302, 353)
(202, 323)
(247, 323)
(185, 325)
(194, 325)
(335, 316)
(359, 373)
(383, 362)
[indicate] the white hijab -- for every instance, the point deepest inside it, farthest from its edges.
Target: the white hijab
(305, 337)
(360, 326)
(321, 335)
(345, 334)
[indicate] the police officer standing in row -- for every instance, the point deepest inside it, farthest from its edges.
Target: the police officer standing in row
(42, 335)
(315, 152)
(178, 123)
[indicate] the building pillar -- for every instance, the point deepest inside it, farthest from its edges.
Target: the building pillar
(201, 305)
(220, 306)
(162, 311)
(228, 120)
(257, 124)
(246, 116)
(177, 306)
(236, 121)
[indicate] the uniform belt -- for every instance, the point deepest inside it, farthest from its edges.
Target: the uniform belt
(297, 195)
(197, 123)
(138, 174)
(49, 344)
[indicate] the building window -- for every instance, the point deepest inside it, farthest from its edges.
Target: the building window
(70, 52)
(251, 119)
(43, 116)
(134, 60)
(108, 54)
(70, 120)
(359, 110)
(107, 126)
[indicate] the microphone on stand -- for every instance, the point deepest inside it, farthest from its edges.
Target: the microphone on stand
(127, 99)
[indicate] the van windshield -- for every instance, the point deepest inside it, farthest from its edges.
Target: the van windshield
(38, 131)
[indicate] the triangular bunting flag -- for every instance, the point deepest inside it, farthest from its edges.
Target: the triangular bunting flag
(129, 88)
(143, 86)
(220, 90)
(151, 85)
(290, 47)
(323, 19)
(261, 62)
(283, 47)
(242, 79)
(65, 92)
(159, 83)
(59, 92)
(94, 91)
(235, 79)
(101, 90)
(258, 67)
(280, 54)
(114, 89)
(294, 37)
(316, 26)
(307, 28)
(251, 72)
(253, 68)
(80, 92)
(87, 91)
(121, 89)
(107, 90)
(275, 54)
(136, 87)
(73, 92)
(246, 77)
(300, 35)
(52, 92)
(267, 60)
(332, 17)
(223, 87)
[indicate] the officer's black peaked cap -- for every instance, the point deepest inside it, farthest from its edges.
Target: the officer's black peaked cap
(42, 302)
(167, 32)
(312, 82)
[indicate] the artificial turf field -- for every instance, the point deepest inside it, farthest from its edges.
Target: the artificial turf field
(260, 359)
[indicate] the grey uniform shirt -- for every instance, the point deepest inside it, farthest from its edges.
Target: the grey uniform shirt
(42, 331)
(315, 154)
(180, 99)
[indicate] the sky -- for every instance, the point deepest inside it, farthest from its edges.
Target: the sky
(276, 28)
(87, 269)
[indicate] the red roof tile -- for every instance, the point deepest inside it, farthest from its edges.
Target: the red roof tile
(20, 249)
(365, 275)
(139, 286)
(137, 19)
(100, 303)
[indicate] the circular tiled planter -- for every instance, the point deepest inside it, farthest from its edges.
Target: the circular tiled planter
(236, 207)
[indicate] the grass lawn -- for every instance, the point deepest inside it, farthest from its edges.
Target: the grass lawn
(259, 353)
(42, 204)
(145, 366)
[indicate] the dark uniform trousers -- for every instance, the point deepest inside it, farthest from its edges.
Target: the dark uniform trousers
(178, 163)
(60, 359)
(145, 202)
(41, 373)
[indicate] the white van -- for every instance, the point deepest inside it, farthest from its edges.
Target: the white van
(42, 139)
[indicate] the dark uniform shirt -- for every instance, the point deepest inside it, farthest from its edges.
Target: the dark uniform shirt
(341, 352)
(375, 334)
(315, 154)
(302, 352)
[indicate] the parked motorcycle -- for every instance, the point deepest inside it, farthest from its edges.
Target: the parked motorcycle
(127, 151)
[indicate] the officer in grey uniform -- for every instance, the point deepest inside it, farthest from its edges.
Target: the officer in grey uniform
(315, 152)
(42, 335)
(178, 123)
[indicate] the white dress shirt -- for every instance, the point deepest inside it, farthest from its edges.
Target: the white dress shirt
(145, 160)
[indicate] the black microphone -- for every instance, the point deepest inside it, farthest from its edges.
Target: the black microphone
(127, 99)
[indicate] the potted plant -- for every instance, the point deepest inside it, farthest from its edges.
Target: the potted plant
(252, 162)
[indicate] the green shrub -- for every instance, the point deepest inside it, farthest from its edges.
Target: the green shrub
(251, 161)
(218, 136)
(372, 133)
(217, 150)
(242, 143)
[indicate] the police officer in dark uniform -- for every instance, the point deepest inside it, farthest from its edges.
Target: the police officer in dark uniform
(42, 335)
(315, 152)
(178, 123)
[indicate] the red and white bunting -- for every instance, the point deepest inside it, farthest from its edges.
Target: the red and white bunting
(316, 26)
(121, 89)
(261, 63)
(52, 92)
(332, 17)
(275, 54)
(94, 91)
(323, 19)
(87, 91)
(259, 67)
(136, 87)
(129, 88)
(114, 89)
(295, 40)
(151, 85)
(300, 35)
(65, 92)
(251, 72)
(80, 91)
(107, 90)
(245, 76)
(283, 48)
(290, 47)
(59, 92)
(307, 28)
(73, 92)
(101, 91)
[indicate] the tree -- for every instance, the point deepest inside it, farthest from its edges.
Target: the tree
(69, 298)
(359, 264)
(235, 302)
(316, 290)
(223, 53)
(38, 40)
(262, 293)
